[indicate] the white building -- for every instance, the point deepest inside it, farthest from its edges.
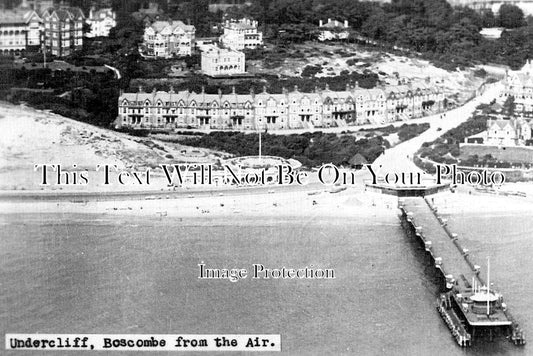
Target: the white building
(19, 29)
(205, 43)
(333, 30)
(241, 34)
(504, 132)
(519, 85)
(101, 22)
(221, 61)
(165, 39)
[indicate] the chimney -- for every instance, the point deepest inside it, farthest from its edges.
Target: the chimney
(203, 89)
(347, 86)
(141, 90)
(252, 93)
(264, 89)
(346, 23)
(220, 93)
(356, 84)
(329, 20)
(171, 90)
(284, 90)
(233, 89)
(296, 88)
(321, 23)
(327, 86)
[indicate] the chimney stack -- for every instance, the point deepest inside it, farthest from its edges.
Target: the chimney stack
(321, 23)
(346, 23)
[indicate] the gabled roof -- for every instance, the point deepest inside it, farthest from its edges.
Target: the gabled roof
(64, 13)
(502, 123)
(159, 26)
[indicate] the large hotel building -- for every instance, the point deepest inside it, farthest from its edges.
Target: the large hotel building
(289, 110)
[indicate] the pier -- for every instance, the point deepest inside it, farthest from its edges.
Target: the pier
(470, 306)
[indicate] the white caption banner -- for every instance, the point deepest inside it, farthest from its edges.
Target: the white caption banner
(144, 342)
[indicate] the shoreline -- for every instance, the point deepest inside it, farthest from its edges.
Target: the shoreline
(350, 202)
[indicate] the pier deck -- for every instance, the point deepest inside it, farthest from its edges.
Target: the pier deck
(454, 261)
(463, 277)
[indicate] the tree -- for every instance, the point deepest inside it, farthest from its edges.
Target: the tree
(488, 19)
(511, 16)
(509, 106)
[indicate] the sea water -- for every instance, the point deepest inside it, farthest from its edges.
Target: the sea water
(129, 275)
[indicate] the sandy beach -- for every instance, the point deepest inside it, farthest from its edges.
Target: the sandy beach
(32, 137)
(349, 203)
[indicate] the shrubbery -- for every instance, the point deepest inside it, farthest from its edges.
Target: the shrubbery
(312, 149)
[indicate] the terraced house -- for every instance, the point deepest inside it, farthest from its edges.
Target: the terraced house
(288, 110)
(63, 30)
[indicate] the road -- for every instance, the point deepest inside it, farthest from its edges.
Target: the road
(400, 158)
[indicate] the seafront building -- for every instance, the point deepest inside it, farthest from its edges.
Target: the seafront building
(241, 34)
(19, 30)
(504, 132)
(519, 85)
(288, 110)
(333, 30)
(166, 39)
(101, 22)
(63, 30)
(218, 61)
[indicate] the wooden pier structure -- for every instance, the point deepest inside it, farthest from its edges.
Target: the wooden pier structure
(470, 306)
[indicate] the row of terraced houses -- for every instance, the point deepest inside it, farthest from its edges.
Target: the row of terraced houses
(289, 110)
